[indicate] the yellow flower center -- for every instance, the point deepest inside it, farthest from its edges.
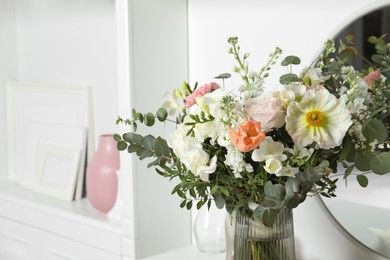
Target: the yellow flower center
(314, 118)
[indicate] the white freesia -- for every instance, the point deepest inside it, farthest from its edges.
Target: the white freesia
(313, 76)
(299, 155)
(288, 171)
(269, 149)
(272, 165)
(170, 102)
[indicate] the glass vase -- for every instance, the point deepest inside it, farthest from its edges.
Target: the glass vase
(255, 241)
(209, 229)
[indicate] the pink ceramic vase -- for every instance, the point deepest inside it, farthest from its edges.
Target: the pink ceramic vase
(101, 179)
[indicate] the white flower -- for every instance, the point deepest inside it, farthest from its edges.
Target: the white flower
(269, 149)
(299, 155)
(207, 130)
(288, 171)
(235, 160)
(313, 76)
(272, 165)
(297, 88)
(170, 102)
(190, 152)
(320, 117)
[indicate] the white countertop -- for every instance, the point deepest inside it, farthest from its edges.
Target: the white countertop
(187, 253)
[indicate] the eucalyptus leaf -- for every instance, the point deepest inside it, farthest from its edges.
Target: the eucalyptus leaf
(133, 138)
(223, 76)
(148, 142)
(381, 163)
(362, 180)
(117, 137)
(294, 60)
(375, 129)
(144, 153)
(363, 160)
(149, 119)
(347, 56)
(121, 145)
(219, 200)
(258, 212)
(161, 114)
(288, 78)
(347, 148)
(133, 148)
(269, 217)
(161, 147)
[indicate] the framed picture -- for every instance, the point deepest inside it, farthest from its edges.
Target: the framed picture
(52, 104)
(38, 133)
(57, 171)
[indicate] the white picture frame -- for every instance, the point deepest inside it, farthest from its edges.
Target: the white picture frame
(38, 133)
(57, 171)
(51, 103)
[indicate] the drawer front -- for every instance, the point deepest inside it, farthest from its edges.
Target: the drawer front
(59, 248)
(18, 242)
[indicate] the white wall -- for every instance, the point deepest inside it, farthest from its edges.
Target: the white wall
(71, 42)
(300, 28)
(64, 42)
(8, 66)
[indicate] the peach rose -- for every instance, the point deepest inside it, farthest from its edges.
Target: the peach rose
(372, 77)
(200, 92)
(248, 136)
(268, 110)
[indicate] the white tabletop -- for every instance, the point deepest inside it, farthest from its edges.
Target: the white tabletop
(187, 253)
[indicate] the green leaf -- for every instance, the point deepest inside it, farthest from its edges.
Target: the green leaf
(380, 164)
(346, 150)
(161, 147)
(219, 200)
(189, 204)
(258, 212)
(348, 171)
(347, 56)
(269, 217)
(199, 204)
(133, 138)
(294, 60)
(224, 190)
(133, 148)
(288, 78)
(148, 142)
(149, 119)
(121, 145)
(362, 180)
(117, 137)
(214, 190)
(223, 76)
(375, 129)
(363, 160)
(144, 153)
(161, 114)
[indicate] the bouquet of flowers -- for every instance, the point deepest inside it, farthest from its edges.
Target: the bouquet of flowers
(259, 152)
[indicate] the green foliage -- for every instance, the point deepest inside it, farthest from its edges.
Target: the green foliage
(291, 60)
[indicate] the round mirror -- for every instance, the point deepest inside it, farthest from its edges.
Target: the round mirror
(365, 212)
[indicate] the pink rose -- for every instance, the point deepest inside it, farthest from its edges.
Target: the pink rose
(200, 92)
(372, 77)
(268, 110)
